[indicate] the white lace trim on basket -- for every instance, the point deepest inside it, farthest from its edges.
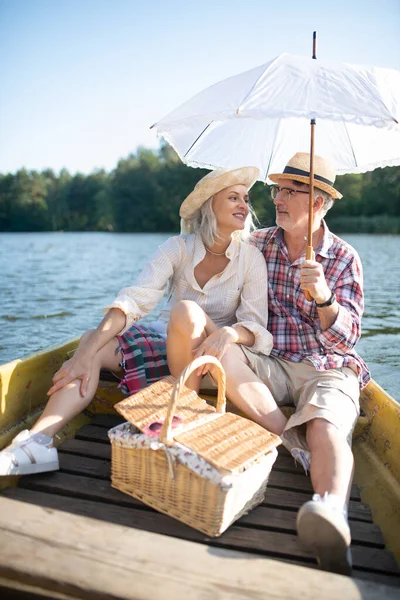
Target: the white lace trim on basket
(128, 436)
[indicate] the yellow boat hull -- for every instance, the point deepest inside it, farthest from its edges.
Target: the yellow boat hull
(24, 384)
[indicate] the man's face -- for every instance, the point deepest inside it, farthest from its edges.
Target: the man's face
(291, 208)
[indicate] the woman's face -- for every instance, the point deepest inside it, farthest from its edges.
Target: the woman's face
(230, 207)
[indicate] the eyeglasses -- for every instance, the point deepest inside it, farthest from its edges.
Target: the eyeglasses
(275, 189)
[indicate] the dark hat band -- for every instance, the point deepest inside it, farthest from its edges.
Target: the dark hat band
(293, 171)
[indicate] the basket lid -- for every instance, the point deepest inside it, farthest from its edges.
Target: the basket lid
(148, 407)
(229, 442)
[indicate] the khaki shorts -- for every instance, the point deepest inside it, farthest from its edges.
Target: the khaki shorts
(332, 394)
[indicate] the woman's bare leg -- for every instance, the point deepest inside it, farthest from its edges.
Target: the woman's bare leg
(188, 326)
(246, 391)
(67, 402)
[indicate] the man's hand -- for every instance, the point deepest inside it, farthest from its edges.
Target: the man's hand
(216, 345)
(312, 279)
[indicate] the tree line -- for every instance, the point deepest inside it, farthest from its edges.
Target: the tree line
(144, 192)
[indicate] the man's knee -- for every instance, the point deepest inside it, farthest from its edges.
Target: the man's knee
(320, 430)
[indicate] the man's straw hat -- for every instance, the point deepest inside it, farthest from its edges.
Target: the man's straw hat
(298, 169)
(214, 182)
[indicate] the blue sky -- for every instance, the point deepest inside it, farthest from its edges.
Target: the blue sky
(83, 80)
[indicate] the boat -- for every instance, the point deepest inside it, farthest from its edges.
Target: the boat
(69, 534)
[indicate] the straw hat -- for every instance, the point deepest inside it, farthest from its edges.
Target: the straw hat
(298, 169)
(214, 182)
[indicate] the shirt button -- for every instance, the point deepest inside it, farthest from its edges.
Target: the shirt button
(228, 253)
(287, 296)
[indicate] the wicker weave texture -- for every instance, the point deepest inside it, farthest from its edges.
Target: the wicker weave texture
(151, 404)
(188, 497)
(229, 442)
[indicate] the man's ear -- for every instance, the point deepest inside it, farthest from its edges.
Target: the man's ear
(318, 203)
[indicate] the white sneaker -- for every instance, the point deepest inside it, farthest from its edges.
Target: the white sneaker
(29, 453)
(323, 528)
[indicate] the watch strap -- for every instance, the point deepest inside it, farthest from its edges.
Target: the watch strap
(329, 302)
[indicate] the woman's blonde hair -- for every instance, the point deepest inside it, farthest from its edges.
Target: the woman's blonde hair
(204, 223)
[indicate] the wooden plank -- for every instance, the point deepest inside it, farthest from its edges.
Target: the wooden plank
(93, 433)
(277, 479)
(100, 468)
(132, 517)
(107, 421)
(79, 556)
(277, 518)
(260, 517)
(238, 536)
(86, 448)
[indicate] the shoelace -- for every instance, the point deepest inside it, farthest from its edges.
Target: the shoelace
(334, 502)
(303, 457)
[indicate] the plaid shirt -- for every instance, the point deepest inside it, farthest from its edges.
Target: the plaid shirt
(293, 320)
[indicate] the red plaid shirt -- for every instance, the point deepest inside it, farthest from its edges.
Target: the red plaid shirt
(293, 320)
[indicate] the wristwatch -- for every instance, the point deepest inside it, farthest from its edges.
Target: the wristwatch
(329, 302)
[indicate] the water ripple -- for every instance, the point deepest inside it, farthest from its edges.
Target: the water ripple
(68, 279)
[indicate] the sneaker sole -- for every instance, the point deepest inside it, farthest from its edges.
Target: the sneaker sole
(321, 536)
(34, 468)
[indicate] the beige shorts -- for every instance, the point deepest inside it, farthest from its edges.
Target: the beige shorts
(332, 394)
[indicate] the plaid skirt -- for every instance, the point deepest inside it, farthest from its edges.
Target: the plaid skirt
(144, 358)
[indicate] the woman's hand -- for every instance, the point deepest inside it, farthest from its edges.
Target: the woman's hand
(77, 367)
(216, 344)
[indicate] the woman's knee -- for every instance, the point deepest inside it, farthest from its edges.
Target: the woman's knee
(110, 356)
(187, 315)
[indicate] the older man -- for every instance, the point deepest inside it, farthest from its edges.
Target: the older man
(313, 363)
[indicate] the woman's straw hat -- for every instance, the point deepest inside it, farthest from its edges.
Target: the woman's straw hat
(298, 169)
(214, 182)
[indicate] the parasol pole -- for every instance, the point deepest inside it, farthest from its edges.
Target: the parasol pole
(309, 248)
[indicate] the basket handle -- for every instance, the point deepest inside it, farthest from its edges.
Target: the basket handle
(166, 431)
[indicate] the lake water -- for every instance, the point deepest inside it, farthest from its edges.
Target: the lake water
(54, 285)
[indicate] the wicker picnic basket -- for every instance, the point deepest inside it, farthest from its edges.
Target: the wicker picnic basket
(208, 471)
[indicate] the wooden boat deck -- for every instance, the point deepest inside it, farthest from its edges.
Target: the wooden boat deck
(82, 486)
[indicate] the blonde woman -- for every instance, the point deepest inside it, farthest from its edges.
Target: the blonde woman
(217, 299)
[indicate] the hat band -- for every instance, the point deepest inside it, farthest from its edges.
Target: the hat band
(293, 171)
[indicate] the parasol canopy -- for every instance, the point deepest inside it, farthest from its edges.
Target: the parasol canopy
(262, 117)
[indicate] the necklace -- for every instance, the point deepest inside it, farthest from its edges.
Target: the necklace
(215, 253)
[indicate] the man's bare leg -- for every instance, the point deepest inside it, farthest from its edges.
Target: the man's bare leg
(322, 522)
(332, 462)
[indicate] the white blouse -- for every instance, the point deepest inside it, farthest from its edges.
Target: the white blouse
(239, 294)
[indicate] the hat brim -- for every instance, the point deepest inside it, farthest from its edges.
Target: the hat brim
(304, 179)
(246, 176)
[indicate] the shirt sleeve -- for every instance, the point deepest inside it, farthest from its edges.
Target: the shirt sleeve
(252, 312)
(142, 297)
(345, 332)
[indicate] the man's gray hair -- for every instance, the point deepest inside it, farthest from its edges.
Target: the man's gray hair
(204, 223)
(328, 201)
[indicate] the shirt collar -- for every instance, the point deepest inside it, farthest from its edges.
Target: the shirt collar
(200, 250)
(324, 249)
(325, 246)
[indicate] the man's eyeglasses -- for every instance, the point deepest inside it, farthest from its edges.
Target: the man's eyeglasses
(275, 189)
